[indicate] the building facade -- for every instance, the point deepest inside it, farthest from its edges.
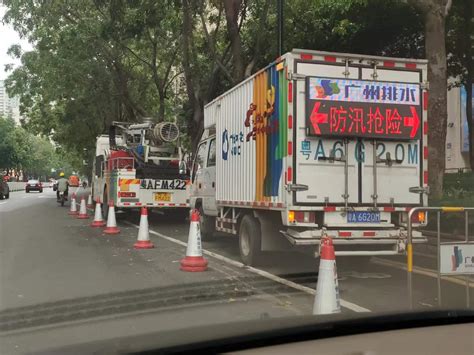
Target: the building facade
(9, 106)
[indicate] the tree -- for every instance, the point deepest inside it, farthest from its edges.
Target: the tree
(435, 13)
(7, 127)
(460, 42)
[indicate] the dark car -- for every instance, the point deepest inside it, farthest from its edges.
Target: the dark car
(4, 190)
(34, 185)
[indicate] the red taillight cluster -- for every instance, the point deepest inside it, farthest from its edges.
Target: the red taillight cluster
(127, 194)
(301, 217)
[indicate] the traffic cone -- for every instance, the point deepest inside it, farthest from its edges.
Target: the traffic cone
(143, 240)
(89, 201)
(111, 227)
(194, 261)
(98, 220)
(82, 210)
(73, 209)
(326, 300)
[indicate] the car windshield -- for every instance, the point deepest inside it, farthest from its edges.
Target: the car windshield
(203, 169)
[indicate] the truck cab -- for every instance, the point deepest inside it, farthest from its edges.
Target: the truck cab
(203, 182)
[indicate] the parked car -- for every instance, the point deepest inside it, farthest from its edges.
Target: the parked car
(4, 190)
(34, 185)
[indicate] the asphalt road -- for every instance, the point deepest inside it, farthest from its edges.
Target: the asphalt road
(63, 282)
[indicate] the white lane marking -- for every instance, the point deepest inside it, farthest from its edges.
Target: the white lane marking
(420, 270)
(346, 304)
(2, 203)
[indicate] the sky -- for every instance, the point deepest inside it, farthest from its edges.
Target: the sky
(8, 37)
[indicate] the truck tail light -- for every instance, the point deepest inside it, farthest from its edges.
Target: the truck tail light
(418, 217)
(126, 194)
(301, 217)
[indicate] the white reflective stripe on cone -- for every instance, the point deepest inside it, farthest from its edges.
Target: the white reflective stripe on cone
(143, 234)
(98, 213)
(327, 289)
(194, 247)
(111, 222)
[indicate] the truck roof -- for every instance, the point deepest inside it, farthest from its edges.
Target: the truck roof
(297, 51)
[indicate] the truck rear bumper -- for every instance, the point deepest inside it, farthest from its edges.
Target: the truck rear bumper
(389, 242)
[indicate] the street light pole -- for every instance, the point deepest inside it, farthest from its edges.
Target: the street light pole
(280, 26)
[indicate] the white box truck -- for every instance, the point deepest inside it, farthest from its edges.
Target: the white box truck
(316, 144)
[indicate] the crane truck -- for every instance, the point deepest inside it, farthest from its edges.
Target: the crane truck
(141, 165)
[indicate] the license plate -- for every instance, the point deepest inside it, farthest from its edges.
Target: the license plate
(162, 196)
(363, 217)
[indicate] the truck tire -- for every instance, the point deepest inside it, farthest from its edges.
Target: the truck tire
(207, 225)
(250, 240)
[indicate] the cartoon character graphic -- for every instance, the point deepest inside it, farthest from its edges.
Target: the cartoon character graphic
(456, 258)
(266, 120)
(327, 89)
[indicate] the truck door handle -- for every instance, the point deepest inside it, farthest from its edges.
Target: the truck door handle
(213, 184)
(199, 186)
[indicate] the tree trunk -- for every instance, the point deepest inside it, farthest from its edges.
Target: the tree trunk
(161, 109)
(469, 31)
(232, 10)
(437, 108)
(196, 121)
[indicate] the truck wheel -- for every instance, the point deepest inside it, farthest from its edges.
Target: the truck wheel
(207, 225)
(250, 241)
(1, 196)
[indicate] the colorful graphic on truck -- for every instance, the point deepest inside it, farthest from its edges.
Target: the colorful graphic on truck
(367, 109)
(267, 118)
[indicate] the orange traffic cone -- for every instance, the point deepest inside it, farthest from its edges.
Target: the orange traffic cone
(326, 300)
(83, 210)
(194, 261)
(111, 227)
(98, 220)
(89, 201)
(143, 240)
(73, 209)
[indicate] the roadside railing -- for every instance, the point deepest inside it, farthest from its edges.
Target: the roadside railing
(453, 258)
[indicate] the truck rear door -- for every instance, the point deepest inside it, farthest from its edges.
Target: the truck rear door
(357, 138)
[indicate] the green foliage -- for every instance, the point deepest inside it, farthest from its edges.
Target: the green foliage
(99, 61)
(34, 155)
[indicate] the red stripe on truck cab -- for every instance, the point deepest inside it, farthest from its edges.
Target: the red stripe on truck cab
(305, 56)
(289, 175)
(389, 63)
(425, 177)
(290, 121)
(290, 148)
(290, 92)
(410, 65)
(425, 100)
(329, 58)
